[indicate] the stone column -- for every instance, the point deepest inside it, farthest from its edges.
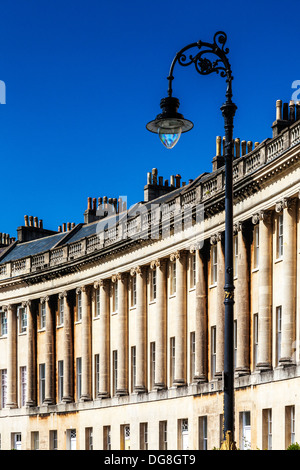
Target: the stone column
(122, 333)
(49, 363)
(11, 356)
(242, 304)
(103, 285)
(180, 318)
(220, 305)
(289, 282)
(86, 344)
(160, 324)
(141, 330)
(264, 291)
(31, 354)
(201, 353)
(68, 348)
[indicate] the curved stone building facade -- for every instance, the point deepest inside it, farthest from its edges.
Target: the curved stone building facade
(112, 329)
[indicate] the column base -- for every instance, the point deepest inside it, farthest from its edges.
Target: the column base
(179, 383)
(85, 398)
(67, 399)
(286, 361)
(239, 371)
(140, 389)
(30, 403)
(103, 395)
(11, 405)
(121, 392)
(48, 401)
(261, 366)
(159, 386)
(199, 379)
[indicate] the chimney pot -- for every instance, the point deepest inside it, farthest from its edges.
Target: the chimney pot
(26, 220)
(278, 110)
(285, 112)
(35, 221)
(89, 206)
(218, 146)
(292, 111)
(154, 175)
(177, 178)
(64, 227)
(297, 115)
(30, 221)
(243, 147)
(237, 147)
(40, 223)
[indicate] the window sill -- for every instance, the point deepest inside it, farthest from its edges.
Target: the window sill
(278, 260)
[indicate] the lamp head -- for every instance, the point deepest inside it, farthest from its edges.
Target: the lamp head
(169, 124)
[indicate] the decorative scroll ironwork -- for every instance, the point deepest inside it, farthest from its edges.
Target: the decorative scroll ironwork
(204, 64)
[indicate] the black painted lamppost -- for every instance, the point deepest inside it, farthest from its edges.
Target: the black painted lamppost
(170, 125)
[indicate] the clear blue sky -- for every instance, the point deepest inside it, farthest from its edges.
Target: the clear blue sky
(84, 77)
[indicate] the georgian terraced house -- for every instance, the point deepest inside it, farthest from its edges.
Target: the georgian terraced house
(112, 329)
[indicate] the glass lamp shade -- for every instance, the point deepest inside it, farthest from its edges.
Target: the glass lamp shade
(169, 136)
(169, 124)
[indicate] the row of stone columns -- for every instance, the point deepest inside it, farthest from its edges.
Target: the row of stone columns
(288, 209)
(242, 314)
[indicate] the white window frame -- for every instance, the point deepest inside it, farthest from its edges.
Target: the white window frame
(3, 323)
(23, 385)
(278, 333)
(256, 247)
(214, 265)
(172, 277)
(279, 254)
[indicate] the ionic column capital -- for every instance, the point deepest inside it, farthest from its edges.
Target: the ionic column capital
(195, 247)
(238, 227)
(46, 298)
(99, 283)
(26, 303)
(7, 307)
(156, 263)
(265, 216)
(289, 203)
(279, 206)
(63, 294)
(216, 237)
(118, 277)
(176, 255)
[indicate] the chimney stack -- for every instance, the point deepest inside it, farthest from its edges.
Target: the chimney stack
(156, 185)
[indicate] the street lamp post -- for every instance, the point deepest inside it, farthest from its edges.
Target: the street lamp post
(169, 124)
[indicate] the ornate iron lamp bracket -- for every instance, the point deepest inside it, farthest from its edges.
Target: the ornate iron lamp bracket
(203, 63)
